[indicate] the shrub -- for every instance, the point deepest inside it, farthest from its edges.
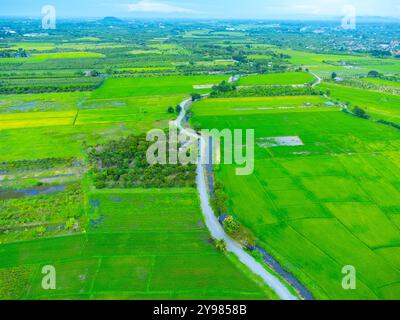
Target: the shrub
(195, 96)
(231, 226)
(358, 112)
(219, 199)
(171, 110)
(220, 245)
(373, 74)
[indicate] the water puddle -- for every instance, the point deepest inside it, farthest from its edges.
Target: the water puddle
(14, 194)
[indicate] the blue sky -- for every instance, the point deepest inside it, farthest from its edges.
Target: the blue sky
(256, 9)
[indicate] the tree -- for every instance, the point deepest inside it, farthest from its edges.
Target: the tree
(334, 75)
(373, 74)
(178, 109)
(218, 201)
(231, 226)
(171, 110)
(220, 245)
(195, 96)
(357, 111)
(223, 87)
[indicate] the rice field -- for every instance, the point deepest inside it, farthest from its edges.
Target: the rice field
(288, 78)
(329, 202)
(41, 102)
(131, 87)
(353, 65)
(382, 82)
(378, 104)
(324, 193)
(253, 105)
(40, 57)
(141, 244)
(58, 123)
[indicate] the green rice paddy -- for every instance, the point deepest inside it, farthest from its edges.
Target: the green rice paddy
(136, 248)
(295, 78)
(328, 203)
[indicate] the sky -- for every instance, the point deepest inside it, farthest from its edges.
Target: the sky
(225, 9)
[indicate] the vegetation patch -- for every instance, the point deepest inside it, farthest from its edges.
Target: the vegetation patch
(42, 215)
(123, 164)
(301, 195)
(288, 78)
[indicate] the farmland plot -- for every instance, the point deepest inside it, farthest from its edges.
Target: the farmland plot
(140, 244)
(318, 206)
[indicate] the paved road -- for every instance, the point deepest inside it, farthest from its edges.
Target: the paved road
(319, 80)
(234, 78)
(215, 227)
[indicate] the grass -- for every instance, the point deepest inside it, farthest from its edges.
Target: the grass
(378, 104)
(148, 69)
(260, 57)
(33, 217)
(277, 79)
(216, 63)
(324, 205)
(325, 64)
(67, 55)
(145, 52)
(41, 102)
(236, 106)
(40, 57)
(39, 46)
(66, 140)
(382, 82)
(316, 208)
(142, 104)
(150, 243)
(120, 115)
(128, 87)
(36, 119)
(89, 46)
(50, 125)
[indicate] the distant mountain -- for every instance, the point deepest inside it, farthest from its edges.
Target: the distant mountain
(371, 19)
(112, 21)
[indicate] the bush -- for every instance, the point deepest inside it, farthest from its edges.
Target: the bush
(195, 96)
(223, 87)
(220, 245)
(267, 91)
(171, 110)
(388, 123)
(218, 201)
(257, 255)
(123, 164)
(231, 226)
(373, 74)
(358, 112)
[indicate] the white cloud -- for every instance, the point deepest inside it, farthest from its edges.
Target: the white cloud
(156, 7)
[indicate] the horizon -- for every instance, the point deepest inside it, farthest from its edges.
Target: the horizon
(223, 10)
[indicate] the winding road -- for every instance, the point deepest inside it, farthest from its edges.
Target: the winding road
(318, 81)
(213, 224)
